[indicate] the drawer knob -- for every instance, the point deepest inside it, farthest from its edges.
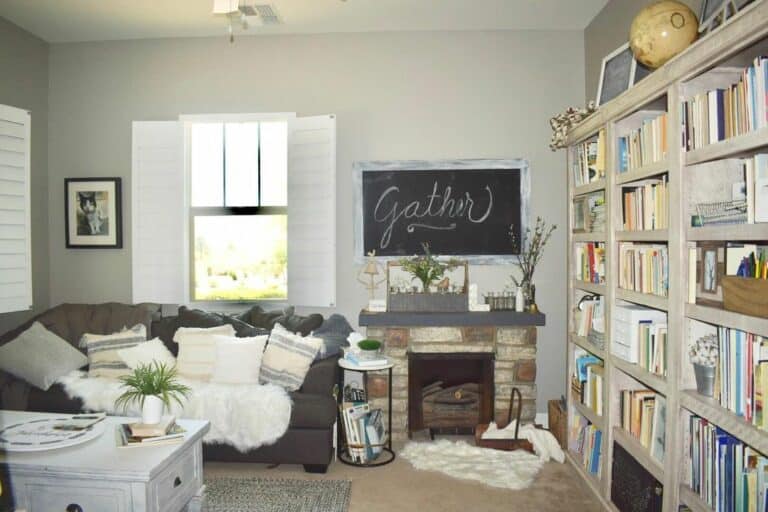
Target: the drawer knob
(74, 507)
(176, 483)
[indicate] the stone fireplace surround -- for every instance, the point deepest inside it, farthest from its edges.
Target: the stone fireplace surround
(510, 336)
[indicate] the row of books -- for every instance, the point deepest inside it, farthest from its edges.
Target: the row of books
(588, 160)
(644, 416)
(645, 205)
(589, 213)
(645, 145)
(364, 431)
(590, 262)
(640, 336)
(587, 382)
(756, 188)
(644, 268)
(723, 113)
(590, 319)
(585, 441)
(727, 474)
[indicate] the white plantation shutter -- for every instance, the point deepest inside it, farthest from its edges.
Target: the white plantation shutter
(15, 220)
(312, 211)
(159, 214)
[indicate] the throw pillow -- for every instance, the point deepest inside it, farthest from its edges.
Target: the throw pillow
(257, 317)
(238, 360)
(146, 353)
(333, 332)
(39, 357)
(103, 360)
(288, 358)
(300, 324)
(198, 318)
(197, 350)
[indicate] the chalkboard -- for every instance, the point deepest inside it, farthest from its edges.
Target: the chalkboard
(615, 74)
(460, 207)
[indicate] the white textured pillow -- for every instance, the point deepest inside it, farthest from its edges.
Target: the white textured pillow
(145, 353)
(197, 350)
(238, 360)
(288, 358)
(103, 360)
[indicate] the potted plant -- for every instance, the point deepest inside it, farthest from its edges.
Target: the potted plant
(427, 268)
(369, 349)
(704, 353)
(529, 256)
(153, 386)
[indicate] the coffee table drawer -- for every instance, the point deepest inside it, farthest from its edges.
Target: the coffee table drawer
(175, 486)
(78, 497)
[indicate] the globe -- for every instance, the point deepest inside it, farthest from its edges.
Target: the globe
(662, 30)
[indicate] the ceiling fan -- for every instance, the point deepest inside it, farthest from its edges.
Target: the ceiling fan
(238, 11)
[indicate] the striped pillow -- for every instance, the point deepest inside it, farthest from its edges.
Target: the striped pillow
(197, 350)
(103, 360)
(287, 358)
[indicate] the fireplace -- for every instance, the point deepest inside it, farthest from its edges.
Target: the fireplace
(449, 393)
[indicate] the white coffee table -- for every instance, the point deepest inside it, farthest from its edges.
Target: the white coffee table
(96, 476)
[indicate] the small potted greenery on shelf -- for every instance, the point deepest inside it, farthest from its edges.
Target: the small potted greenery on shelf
(704, 353)
(153, 386)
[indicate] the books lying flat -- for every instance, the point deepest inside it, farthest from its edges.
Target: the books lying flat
(379, 361)
(175, 435)
(152, 429)
(81, 421)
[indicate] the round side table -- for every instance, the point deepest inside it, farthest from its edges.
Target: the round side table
(387, 455)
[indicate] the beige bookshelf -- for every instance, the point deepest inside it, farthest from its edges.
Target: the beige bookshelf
(709, 61)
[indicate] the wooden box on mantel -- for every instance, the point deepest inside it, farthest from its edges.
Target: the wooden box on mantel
(746, 296)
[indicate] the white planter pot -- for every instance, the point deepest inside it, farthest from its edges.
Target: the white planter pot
(152, 411)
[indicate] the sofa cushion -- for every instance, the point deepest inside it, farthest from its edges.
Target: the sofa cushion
(198, 318)
(238, 360)
(312, 411)
(165, 328)
(333, 332)
(146, 353)
(197, 349)
(39, 357)
(287, 358)
(103, 358)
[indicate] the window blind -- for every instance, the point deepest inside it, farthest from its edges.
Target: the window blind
(15, 218)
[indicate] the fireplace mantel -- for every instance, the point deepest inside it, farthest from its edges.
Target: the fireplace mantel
(462, 319)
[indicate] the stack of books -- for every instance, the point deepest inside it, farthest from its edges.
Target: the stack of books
(587, 383)
(640, 337)
(644, 268)
(590, 262)
(720, 114)
(130, 435)
(727, 474)
(588, 161)
(645, 145)
(585, 441)
(644, 416)
(357, 358)
(363, 429)
(644, 205)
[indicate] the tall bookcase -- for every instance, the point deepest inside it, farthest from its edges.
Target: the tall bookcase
(735, 44)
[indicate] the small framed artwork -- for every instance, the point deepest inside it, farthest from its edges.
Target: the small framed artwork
(580, 214)
(714, 13)
(93, 213)
(710, 271)
(616, 74)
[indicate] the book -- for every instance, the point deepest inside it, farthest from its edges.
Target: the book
(354, 359)
(80, 421)
(152, 429)
(125, 439)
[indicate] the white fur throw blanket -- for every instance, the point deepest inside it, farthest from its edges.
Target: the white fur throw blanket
(244, 416)
(508, 470)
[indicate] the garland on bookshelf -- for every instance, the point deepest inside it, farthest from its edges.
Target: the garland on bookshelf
(588, 160)
(644, 268)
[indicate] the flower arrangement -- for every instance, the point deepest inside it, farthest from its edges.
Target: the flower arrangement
(427, 268)
(704, 351)
(531, 252)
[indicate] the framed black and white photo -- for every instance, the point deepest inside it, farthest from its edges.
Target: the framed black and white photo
(616, 74)
(714, 13)
(93, 213)
(709, 273)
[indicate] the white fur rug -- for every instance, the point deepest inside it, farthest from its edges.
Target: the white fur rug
(508, 470)
(245, 416)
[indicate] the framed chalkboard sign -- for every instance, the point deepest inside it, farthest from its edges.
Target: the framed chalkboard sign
(460, 207)
(616, 74)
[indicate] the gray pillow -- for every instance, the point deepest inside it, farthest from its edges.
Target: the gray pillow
(333, 332)
(40, 357)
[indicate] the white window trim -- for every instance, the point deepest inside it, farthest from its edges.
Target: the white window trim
(236, 118)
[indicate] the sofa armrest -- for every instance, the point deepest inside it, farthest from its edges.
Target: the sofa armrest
(322, 376)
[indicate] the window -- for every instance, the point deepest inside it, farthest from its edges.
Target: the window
(238, 210)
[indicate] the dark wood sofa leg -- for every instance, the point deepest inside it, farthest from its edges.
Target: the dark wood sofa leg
(316, 468)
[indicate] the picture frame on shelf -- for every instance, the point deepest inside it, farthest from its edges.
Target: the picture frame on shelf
(714, 13)
(710, 269)
(617, 74)
(93, 213)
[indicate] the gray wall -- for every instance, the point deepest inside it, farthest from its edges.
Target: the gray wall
(24, 84)
(609, 30)
(396, 95)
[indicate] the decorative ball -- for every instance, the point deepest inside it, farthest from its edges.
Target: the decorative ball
(661, 31)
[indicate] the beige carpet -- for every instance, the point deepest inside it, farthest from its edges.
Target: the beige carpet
(398, 486)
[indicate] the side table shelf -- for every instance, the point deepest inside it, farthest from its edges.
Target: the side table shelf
(388, 454)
